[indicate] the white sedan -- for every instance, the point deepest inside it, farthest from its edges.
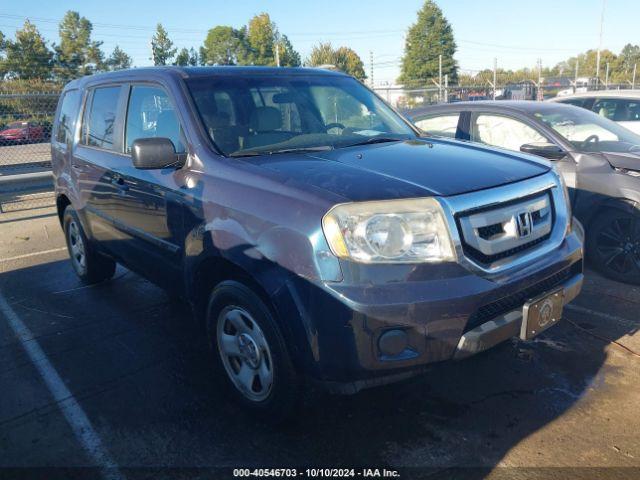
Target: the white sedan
(621, 106)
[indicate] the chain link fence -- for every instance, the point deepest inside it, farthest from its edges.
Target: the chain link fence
(26, 117)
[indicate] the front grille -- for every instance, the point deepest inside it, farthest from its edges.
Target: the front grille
(498, 232)
(487, 259)
(518, 299)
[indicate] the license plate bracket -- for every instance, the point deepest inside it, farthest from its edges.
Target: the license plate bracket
(540, 313)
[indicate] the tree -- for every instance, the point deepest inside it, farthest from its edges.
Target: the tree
(77, 54)
(321, 54)
(349, 62)
(162, 47)
(427, 39)
(628, 58)
(27, 57)
(118, 60)
(344, 59)
(186, 57)
(262, 35)
(288, 56)
(182, 58)
(224, 46)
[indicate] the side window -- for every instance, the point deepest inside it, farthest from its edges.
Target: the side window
(441, 126)
(606, 108)
(99, 120)
(151, 114)
(627, 111)
(631, 111)
(504, 132)
(67, 117)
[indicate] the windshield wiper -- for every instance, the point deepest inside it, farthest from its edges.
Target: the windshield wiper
(372, 140)
(255, 153)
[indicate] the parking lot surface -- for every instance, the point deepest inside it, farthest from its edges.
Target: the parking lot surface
(122, 365)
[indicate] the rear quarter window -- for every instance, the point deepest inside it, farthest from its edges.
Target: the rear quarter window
(65, 126)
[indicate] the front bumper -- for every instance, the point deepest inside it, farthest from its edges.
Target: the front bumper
(507, 325)
(440, 307)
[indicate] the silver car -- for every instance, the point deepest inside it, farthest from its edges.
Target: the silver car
(599, 160)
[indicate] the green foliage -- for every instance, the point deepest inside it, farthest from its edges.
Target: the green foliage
(225, 46)
(162, 47)
(28, 56)
(118, 60)
(288, 56)
(262, 36)
(427, 39)
(343, 58)
(77, 54)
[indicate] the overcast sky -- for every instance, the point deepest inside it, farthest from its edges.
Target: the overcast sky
(517, 33)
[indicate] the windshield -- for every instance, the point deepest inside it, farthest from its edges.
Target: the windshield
(587, 131)
(274, 114)
(17, 125)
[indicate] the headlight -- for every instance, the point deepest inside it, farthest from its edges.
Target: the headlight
(626, 171)
(394, 231)
(567, 199)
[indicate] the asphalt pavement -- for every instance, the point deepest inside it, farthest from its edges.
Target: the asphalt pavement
(113, 381)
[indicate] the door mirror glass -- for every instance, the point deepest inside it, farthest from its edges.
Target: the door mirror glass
(543, 149)
(154, 153)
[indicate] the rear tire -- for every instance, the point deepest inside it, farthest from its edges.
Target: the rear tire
(90, 266)
(250, 352)
(613, 245)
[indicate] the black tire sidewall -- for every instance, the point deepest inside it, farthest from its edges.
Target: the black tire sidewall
(284, 392)
(98, 267)
(602, 221)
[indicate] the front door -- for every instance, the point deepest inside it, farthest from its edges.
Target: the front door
(150, 203)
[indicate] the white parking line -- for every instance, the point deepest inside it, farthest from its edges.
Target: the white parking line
(70, 408)
(588, 311)
(29, 255)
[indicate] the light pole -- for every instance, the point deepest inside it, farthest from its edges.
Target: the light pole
(604, 2)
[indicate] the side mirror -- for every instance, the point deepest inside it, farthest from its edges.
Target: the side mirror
(546, 150)
(153, 153)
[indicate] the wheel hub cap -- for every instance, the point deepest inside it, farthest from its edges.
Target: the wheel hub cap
(249, 350)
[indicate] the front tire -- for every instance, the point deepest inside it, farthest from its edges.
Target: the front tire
(613, 245)
(90, 266)
(250, 352)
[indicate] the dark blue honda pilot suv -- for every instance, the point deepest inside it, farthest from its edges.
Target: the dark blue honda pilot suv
(313, 230)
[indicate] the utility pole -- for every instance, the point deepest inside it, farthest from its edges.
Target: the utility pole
(371, 67)
(540, 90)
(440, 78)
(277, 54)
(575, 82)
(604, 2)
(633, 80)
(446, 88)
(495, 76)
(606, 77)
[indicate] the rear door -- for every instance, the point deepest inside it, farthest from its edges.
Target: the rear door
(95, 158)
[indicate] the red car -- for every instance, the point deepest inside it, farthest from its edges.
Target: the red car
(22, 132)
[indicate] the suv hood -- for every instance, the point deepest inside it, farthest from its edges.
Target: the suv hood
(411, 168)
